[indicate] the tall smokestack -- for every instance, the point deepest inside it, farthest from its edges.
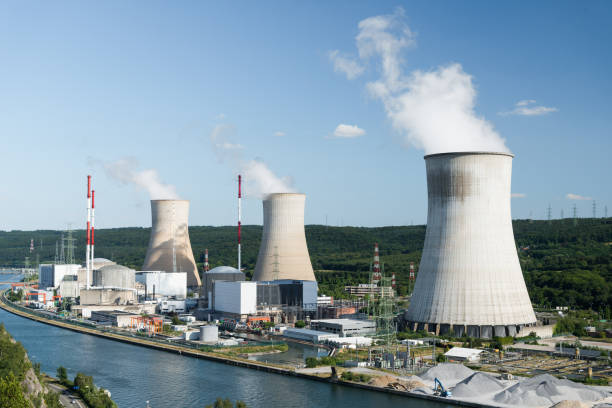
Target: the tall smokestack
(470, 280)
(169, 244)
(206, 265)
(239, 218)
(376, 268)
(93, 243)
(88, 265)
(283, 253)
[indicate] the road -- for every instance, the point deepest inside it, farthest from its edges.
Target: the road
(66, 396)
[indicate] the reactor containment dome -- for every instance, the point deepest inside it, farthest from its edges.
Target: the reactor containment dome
(283, 253)
(169, 245)
(470, 280)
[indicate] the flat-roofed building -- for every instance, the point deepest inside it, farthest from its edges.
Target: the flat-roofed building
(345, 327)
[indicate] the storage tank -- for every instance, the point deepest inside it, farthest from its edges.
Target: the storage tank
(169, 244)
(114, 276)
(470, 280)
(283, 253)
(209, 333)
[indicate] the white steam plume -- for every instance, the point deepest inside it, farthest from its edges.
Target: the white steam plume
(433, 110)
(126, 171)
(259, 180)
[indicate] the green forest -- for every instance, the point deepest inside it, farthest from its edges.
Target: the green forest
(565, 263)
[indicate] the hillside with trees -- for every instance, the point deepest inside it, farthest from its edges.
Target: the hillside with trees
(564, 263)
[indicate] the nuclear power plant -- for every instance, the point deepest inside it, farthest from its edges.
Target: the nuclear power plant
(470, 280)
(169, 246)
(283, 253)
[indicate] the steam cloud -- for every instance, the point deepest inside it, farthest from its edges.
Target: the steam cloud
(126, 171)
(259, 180)
(433, 110)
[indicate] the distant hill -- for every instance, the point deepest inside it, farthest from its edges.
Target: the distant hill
(563, 263)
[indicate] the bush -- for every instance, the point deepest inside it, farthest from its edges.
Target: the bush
(226, 403)
(11, 395)
(300, 324)
(311, 362)
(350, 376)
(441, 358)
(94, 397)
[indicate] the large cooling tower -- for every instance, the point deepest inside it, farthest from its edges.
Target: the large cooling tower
(470, 280)
(283, 253)
(169, 245)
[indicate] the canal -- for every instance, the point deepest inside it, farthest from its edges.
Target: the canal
(136, 374)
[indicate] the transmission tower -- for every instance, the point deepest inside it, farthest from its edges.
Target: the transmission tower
(56, 259)
(549, 213)
(575, 215)
(606, 211)
(562, 214)
(594, 209)
(69, 245)
(385, 316)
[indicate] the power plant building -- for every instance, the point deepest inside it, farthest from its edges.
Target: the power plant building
(51, 275)
(470, 280)
(220, 273)
(283, 253)
(169, 245)
(236, 298)
(170, 284)
(288, 293)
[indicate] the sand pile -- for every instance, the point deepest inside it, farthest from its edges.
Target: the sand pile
(476, 385)
(384, 380)
(546, 390)
(448, 373)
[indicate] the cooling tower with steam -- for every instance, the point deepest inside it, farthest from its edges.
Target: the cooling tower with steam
(169, 245)
(283, 253)
(470, 280)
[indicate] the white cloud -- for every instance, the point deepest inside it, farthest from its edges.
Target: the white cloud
(433, 110)
(348, 131)
(527, 108)
(571, 196)
(258, 178)
(350, 67)
(125, 170)
(518, 195)
(279, 134)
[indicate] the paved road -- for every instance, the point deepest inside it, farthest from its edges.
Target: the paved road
(66, 397)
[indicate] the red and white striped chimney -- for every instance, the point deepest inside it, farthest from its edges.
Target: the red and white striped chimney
(239, 217)
(88, 233)
(206, 267)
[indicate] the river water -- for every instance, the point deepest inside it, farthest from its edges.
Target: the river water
(136, 374)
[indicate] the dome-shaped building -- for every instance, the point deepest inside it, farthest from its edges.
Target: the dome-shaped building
(114, 276)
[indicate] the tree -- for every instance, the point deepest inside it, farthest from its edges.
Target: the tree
(62, 374)
(11, 395)
(300, 324)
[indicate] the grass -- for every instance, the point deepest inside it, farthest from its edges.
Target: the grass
(282, 347)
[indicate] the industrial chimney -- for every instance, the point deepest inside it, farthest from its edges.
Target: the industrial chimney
(169, 245)
(283, 253)
(470, 280)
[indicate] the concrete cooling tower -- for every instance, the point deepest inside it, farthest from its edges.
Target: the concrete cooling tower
(283, 253)
(169, 245)
(470, 280)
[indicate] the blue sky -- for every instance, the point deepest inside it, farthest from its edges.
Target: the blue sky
(85, 84)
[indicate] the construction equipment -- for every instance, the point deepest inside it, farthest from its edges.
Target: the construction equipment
(440, 391)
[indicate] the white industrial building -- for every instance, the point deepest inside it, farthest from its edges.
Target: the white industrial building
(239, 298)
(50, 275)
(463, 354)
(470, 280)
(169, 245)
(345, 327)
(172, 306)
(312, 336)
(170, 284)
(283, 253)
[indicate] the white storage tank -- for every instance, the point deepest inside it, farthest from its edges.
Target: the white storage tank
(209, 333)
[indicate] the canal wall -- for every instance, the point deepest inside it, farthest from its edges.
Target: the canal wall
(235, 361)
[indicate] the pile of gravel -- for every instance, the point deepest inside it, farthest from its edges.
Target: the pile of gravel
(448, 373)
(547, 390)
(476, 385)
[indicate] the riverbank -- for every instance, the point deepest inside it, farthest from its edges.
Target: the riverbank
(234, 361)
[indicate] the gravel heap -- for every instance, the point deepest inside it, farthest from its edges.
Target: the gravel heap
(476, 385)
(448, 373)
(547, 390)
